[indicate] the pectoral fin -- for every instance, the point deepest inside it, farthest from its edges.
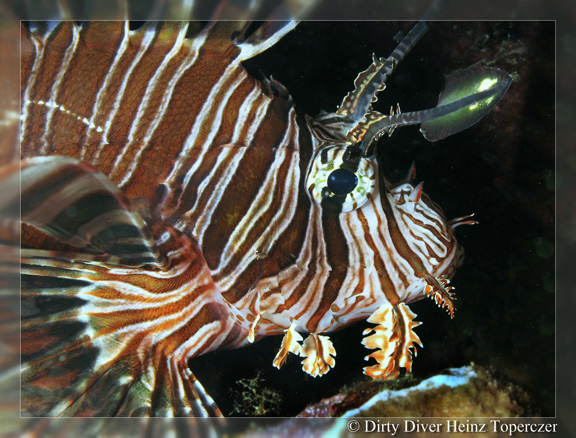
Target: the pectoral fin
(393, 339)
(103, 340)
(78, 205)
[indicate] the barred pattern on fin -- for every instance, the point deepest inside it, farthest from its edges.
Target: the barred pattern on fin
(77, 204)
(92, 331)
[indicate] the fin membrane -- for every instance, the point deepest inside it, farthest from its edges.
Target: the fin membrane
(98, 340)
(101, 335)
(78, 205)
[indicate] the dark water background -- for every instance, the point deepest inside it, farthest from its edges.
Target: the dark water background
(501, 169)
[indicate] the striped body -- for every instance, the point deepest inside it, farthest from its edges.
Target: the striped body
(211, 172)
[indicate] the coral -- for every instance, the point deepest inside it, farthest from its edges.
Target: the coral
(470, 391)
(253, 399)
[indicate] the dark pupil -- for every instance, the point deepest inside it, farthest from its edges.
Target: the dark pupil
(342, 181)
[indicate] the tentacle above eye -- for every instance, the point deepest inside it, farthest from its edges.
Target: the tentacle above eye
(468, 95)
(368, 83)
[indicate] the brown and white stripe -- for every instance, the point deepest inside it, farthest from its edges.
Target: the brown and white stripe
(208, 168)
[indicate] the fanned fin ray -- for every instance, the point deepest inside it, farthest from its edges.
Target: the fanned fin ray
(101, 327)
(265, 37)
(93, 332)
(80, 206)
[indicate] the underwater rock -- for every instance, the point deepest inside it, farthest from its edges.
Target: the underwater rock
(469, 391)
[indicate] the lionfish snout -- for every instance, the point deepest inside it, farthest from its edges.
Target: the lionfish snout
(424, 227)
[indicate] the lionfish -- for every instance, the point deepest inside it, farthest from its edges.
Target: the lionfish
(172, 204)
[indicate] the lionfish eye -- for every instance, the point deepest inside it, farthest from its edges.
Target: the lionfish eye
(342, 181)
(340, 184)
